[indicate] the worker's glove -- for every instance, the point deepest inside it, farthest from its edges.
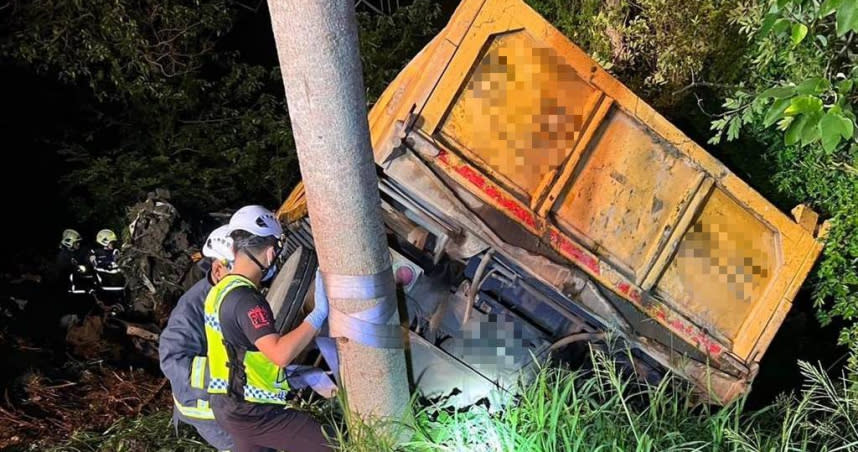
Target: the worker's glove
(319, 313)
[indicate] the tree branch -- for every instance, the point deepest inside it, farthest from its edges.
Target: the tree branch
(846, 46)
(208, 121)
(706, 84)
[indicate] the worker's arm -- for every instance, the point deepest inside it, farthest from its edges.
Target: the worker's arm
(281, 350)
(181, 341)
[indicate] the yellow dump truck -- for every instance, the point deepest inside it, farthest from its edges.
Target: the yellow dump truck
(541, 205)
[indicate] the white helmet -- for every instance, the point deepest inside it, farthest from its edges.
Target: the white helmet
(105, 236)
(71, 239)
(219, 245)
(256, 220)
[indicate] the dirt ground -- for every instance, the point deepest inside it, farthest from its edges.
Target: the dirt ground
(38, 409)
(69, 363)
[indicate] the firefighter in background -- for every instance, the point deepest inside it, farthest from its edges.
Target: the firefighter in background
(69, 255)
(105, 261)
(107, 255)
(70, 270)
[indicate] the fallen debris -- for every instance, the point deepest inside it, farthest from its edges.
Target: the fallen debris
(85, 340)
(156, 258)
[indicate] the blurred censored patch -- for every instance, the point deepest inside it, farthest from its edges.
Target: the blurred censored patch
(728, 247)
(724, 263)
(730, 258)
(494, 344)
(521, 111)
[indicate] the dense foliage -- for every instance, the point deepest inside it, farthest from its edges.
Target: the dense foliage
(169, 100)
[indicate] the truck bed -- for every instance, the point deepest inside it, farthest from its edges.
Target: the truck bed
(503, 121)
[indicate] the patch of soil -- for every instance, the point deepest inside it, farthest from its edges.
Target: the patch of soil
(85, 340)
(52, 409)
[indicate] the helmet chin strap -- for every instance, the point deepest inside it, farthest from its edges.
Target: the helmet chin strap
(262, 268)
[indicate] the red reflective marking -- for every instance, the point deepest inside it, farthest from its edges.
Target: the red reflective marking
(575, 252)
(505, 202)
(635, 295)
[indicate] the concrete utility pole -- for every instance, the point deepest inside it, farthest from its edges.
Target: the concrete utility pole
(317, 44)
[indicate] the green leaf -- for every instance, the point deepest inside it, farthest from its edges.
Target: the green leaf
(844, 87)
(799, 31)
(768, 22)
(803, 104)
(793, 135)
(747, 116)
(828, 7)
(776, 111)
(781, 25)
(847, 128)
(830, 124)
(811, 133)
(846, 17)
(733, 129)
(778, 92)
(813, 85)
(718, 124)
(829, 127)
(782, 3)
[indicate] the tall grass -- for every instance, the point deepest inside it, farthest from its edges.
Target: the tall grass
(600, 409)
(604, 410)
(150, 433)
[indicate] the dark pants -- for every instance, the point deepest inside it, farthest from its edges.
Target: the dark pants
(258, 428)
(209, 430)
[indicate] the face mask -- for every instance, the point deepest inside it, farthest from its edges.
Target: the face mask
(269, 270)
(272, 270)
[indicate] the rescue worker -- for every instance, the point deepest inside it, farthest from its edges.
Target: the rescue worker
(105, 262)
(247, 356)
(69, 257)
(71, 277)
(106, 256)
(182, 347)
(70, 241)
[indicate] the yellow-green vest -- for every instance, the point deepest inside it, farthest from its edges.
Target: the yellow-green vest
(265, 383)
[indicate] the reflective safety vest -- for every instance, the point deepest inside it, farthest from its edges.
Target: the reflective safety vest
(264, 382)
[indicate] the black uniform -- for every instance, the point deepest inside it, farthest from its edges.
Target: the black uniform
(245, 317)
(105, 258)
(69, 284)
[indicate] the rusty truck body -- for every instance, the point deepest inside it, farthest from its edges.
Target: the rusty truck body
(538, 203)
